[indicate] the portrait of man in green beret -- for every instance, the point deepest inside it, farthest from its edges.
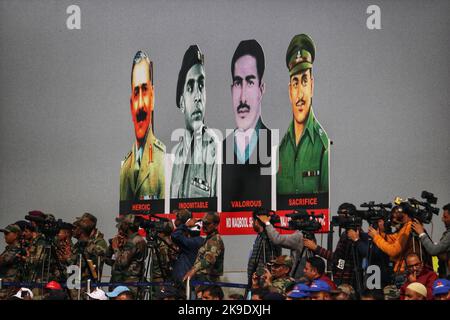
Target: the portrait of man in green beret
(303, 151)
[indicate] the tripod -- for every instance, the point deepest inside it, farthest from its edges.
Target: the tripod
(48, 258)
(153, 248)
(304, 253)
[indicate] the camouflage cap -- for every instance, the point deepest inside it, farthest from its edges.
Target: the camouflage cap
(88, 216)
(11, 228)
(282, 261)
(391, 292)
(128, 218)
(300, 54)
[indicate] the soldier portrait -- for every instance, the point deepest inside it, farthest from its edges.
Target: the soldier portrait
(142, 170)
(303, 151)
(247, 150)
(194, 171)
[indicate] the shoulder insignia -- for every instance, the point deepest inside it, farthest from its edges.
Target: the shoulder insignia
(159, 145)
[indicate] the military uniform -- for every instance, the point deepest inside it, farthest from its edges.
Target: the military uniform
(303, 167)
(163, 261)
(209, 261)
(194, 172)
(9, 264)
(94, 249)
(128, 262)
(280, 284)
(144, 181)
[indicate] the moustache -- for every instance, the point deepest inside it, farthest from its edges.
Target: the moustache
(300, 103)
(141, 115)
(243, 107)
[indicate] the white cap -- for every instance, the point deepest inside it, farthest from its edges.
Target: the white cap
(19, 293)
(418, 287)
(98, 294)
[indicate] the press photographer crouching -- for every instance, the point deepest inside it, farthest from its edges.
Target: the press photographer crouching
(440, 249)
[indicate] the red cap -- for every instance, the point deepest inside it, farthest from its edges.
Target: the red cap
(53, 285)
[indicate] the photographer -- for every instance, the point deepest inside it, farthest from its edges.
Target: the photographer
(441, 249)
(399, 244)
(342, 259)
(373, 255)
(9, 264)
(264, 250)
(187, 237)
(90, 245)
(127, 252)
(293, 241)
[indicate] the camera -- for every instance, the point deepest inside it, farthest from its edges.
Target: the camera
(376, 212)
(347, 218)
(47, 225)
(305, 222)
(274, 218)
(420, 210)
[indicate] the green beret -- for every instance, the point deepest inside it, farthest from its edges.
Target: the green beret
(300, 54)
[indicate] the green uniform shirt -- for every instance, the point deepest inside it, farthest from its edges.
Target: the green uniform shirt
(144, 181)
(303, 168)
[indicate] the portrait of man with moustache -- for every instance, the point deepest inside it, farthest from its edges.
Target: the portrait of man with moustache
(194, 171)
(303, 151)
(142, 170)
(247, 151)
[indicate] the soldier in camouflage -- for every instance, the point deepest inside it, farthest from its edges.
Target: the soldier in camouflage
(162, 265)
(278, 279)
(127, 253)
(9, 262)
(208, 265)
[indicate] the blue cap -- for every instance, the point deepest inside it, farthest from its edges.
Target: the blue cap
(118, 290)
(300, 291)
(319, 286)
(441, 286)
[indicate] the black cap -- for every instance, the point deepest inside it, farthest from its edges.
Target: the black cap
(191, 57)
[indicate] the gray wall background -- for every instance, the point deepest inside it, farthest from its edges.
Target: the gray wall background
(381, 95)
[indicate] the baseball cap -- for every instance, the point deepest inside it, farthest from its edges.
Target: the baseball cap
(23, 292)
(300, 291)
(441, 286)
(282, 261)
(98, 294)
(319, 286)
(118, 290)
(53, 285)
(11, 228)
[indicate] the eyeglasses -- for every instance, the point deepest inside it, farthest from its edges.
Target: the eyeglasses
(414, 265)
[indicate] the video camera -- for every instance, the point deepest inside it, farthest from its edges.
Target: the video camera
(274, 218)
(48, 225)
(376, 212)
(347, 218)
(303, 221)
(415, 209)
(160, 225)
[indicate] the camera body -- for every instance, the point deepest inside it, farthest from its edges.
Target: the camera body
(420, 210)
(274, 218)
(302, 221)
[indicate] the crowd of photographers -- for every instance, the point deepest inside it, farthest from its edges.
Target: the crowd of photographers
(392, 260)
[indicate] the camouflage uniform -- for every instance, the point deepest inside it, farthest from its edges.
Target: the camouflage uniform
(280, 284)
(209, 262)
(94, 249)
(9, 267)
(128, 262)
(166, 256)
